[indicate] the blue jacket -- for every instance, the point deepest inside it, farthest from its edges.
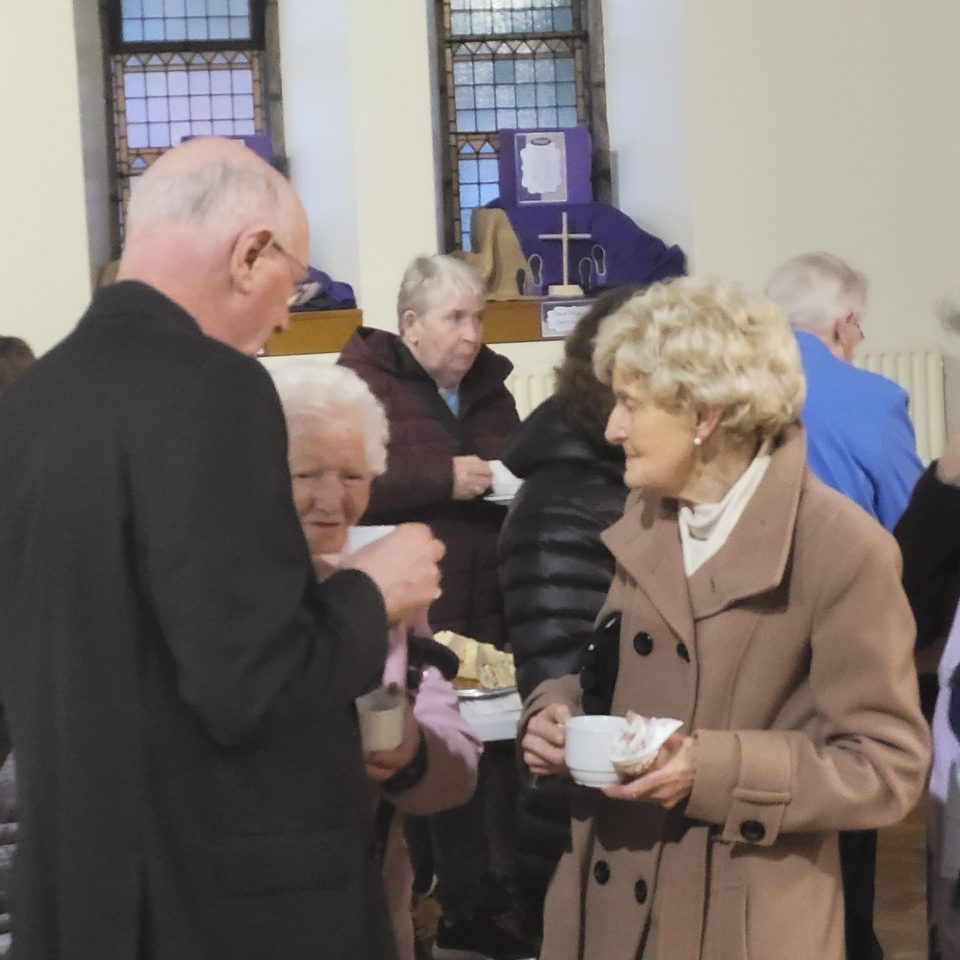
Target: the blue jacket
(860, 440)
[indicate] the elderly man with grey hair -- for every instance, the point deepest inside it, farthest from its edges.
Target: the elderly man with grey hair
(859, 436)
(178, 686)
(860, 441)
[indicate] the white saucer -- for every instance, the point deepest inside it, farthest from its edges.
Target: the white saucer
(499, 498)
(594, 778)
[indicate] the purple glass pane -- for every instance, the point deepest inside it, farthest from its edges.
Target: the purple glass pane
(158, 111)
(137, 135)
(219, 81)
(199, 82)
(159, 134)
(136, 110)
(179, 108)
(223, 128)
(156, 85)
(134, 85)
(178, 131)
(243, 108)
(177, 83)
(242, 81)
(199, 108)
(222, 108)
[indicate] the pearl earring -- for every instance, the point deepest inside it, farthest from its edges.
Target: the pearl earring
(697, 441)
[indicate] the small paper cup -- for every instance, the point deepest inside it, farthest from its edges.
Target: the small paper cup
(587, 751)
(358, 537)
(381, 713)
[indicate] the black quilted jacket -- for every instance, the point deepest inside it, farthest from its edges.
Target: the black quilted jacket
(554, 571)
(554, 574)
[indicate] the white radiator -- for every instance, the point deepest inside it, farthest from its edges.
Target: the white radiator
(530, 384)
(919, 370)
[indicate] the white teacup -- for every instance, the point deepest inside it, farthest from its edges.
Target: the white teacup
(381, 713)
(587, 752)
(358, 537)
(505, 484)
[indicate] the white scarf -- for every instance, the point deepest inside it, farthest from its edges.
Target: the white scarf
(704, 529)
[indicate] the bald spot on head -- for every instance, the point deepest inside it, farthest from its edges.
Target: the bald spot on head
(190, 214)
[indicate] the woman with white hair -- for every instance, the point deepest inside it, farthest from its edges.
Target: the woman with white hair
(450, 414)
(337, 444)
(761, 609)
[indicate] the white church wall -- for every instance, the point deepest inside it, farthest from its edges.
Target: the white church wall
(44, 261)
(359, 133)
(812, 125)
(97, 147)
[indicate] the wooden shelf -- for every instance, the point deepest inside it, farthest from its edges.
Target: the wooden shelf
(324, 331)
(511, 321)
(504, 321)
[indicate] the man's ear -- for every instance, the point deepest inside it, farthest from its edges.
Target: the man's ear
(245, 255)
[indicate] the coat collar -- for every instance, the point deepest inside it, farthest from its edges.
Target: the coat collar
(646, 543)
(131, 299)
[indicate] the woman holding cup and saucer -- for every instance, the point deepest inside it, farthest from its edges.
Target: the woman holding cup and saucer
(761, 610)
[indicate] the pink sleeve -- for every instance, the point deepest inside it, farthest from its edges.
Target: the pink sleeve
(453, 750)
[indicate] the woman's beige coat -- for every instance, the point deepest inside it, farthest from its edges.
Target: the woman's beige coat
(789, 653)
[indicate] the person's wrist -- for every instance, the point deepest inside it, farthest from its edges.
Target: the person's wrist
(409, 775)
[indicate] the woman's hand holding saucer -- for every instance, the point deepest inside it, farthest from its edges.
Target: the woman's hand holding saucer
(668, 781)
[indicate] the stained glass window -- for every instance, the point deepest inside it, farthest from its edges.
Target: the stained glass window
(507, 64)
(182, 68)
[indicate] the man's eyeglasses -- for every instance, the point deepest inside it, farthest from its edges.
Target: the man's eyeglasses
(303, 288)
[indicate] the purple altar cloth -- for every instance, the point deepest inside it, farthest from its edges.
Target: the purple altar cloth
(629, 254)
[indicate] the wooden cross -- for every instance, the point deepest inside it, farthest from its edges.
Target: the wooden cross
(566, 289)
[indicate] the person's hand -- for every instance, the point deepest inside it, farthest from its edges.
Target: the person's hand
(472, 477)
(403, 564)
(543, 743)
(383, 764)
(668, 781)
(948, 464)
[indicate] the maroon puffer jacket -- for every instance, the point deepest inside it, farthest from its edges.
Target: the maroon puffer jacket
(424, 438)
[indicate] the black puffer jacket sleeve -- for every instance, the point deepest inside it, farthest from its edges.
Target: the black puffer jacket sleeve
(554, 571)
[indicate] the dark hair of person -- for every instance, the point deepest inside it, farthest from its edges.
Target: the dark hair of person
(587, 401)
(15, 357)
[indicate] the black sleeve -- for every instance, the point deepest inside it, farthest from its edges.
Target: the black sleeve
(255, 639)
(554, 575)
(929, 538)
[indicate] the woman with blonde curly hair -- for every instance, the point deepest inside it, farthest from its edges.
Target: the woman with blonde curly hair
(761, 609)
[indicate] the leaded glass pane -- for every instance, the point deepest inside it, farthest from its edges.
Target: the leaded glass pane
(509, 64)
(160, 21)
(160, 99)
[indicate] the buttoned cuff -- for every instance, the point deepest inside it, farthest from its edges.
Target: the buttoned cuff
(742, 783)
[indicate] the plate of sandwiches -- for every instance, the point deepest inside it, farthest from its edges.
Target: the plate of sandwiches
(484, 672)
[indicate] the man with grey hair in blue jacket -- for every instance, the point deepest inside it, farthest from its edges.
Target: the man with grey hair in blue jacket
(860, 441)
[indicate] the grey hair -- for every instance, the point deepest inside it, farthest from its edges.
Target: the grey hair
(311, 388)
(427, 279)
(223, 194)
(815, 290)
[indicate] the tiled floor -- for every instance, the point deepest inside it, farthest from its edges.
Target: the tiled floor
(901, 904)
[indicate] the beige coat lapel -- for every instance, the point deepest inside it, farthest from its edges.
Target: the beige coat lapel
(646, 543)
(754, 559)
